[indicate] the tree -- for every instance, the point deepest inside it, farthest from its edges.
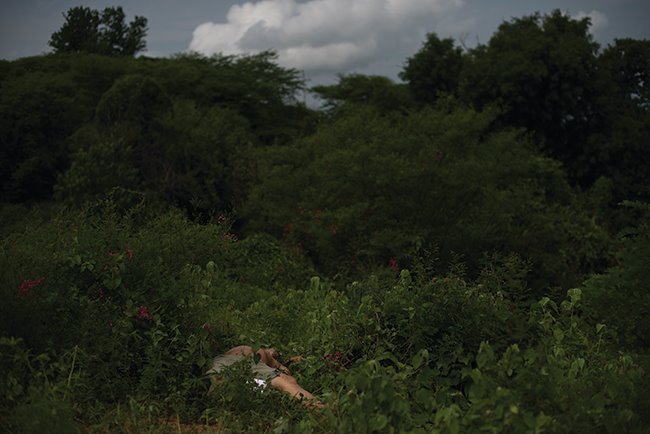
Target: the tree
(367, 186)
(88, 31)
(38, 111)
(619, 297)
(628, 63)
(618, 146)
(586, 108)
(375, 90)
(255, 86)
(134, 100)
(434, 70)
(542, 72)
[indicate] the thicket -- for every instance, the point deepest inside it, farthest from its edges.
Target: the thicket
(464, 252)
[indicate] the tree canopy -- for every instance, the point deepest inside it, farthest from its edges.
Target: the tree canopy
(584, 106)
(541, 71)
(377, 91)
(435, 70)
(88, 30)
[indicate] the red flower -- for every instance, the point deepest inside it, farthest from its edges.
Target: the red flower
(144, 313)
(393, 264)
(221, 219)
(27, 284)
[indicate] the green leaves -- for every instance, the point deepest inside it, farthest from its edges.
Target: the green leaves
(574, 294)
(406, 353)
(619, 296)
(485, 355)
(125, 303)
(435, 70)
(88, 31)
(371, 90)
(369, 186)
(133, 101)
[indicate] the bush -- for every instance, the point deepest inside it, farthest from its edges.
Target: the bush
(144, 317)
(368, 186)
(620, 297)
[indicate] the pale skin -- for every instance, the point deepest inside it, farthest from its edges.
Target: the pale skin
(284, 382)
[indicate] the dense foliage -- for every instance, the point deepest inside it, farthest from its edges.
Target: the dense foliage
(464, 252)
(89, 31)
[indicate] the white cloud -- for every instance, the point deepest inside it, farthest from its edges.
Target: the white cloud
(598, 20)
(324, 35)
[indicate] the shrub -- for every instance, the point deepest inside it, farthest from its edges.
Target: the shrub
(368, 186)
(131, 297)
(619, 297)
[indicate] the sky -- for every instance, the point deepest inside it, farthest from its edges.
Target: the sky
(323, 38)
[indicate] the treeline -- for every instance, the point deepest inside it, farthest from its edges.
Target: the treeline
(501, 176)
(188, 115)
(480, 150)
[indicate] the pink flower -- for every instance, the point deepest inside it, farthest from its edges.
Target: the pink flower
(144, 313)
(27, 284)
(23, 288)
(229, 236)
(221, 219)
(393, 264)
(206, 326)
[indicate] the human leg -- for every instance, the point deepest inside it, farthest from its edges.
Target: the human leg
(288, 384)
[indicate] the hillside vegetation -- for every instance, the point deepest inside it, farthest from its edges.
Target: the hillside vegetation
(465, 251)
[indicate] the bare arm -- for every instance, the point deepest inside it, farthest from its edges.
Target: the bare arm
(267, 357)
(265, 354)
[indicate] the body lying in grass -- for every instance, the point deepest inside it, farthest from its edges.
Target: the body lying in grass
(268, 370)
